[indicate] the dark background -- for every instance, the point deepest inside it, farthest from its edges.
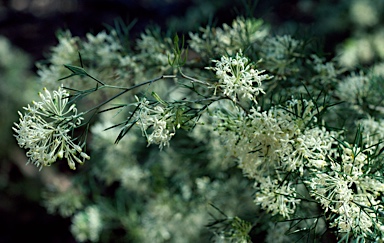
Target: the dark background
(32, 24)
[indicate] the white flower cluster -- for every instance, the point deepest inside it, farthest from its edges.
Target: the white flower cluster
(44, 130)
(350, 192)
(271, 144)
(327, 71)
(228, 39)
(65, 201)
(237, 78)
(87, 225)
(101, 47)
(15, 57)
(65, 52)
(279, 54)
(156, 118)
(281, 47)
(354, 88)
(102, 55)
(116, 166)
(154, 49)
(363, 48)
(276, 197)
(365, 13)
(373, 129)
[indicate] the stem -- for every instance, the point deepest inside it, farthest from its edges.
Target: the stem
(99, 81)
(126, 90)
(193, 80)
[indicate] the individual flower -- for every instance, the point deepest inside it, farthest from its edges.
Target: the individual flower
(237, 77)
(45, 128)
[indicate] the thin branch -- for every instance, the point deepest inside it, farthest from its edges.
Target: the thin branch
(125, 90)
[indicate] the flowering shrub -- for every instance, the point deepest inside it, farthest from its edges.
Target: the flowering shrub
(256, 134)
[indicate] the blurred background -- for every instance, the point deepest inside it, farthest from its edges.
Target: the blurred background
(28, 29)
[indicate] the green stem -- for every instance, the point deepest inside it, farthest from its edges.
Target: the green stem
(125, 90)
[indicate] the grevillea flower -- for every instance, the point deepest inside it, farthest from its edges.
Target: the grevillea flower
(157, 118)
(237, 78)
(350, 192)
(45, 128)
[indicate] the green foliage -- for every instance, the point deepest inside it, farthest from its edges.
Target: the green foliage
(180, 54)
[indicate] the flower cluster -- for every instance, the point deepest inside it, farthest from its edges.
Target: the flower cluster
(101, 54)
(101, 47)
(45, 130)
(271, 145)
(230, 38)
(373, 129)
(87, 225)
(237, 78)
(350, 192)
(277, 198)
(279, 54)
(327, 72)
(154, 50)
(65, 52)
(156, 118)
(354, 88)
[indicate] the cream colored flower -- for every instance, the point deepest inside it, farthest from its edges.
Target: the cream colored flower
(44, 130)
(237, 77)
